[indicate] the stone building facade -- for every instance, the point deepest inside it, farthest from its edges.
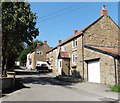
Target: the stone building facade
(93, 52)
(38, 54)
(41, 51)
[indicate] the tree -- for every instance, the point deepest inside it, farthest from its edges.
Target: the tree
(18, 27)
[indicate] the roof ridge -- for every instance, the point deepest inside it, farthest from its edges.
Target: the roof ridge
(80, 32)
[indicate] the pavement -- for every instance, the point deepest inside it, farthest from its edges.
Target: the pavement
(97, 89)
(44, 87)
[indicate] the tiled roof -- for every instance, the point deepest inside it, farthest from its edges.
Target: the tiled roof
(115, 51)
(80, 32)
(64, 54)
(106, 50)
(76, 35)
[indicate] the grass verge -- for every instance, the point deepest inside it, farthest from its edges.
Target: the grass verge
(115, 88)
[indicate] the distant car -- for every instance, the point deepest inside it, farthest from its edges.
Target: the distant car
(42, 64)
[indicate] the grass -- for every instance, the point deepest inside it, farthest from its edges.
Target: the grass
(115, 88)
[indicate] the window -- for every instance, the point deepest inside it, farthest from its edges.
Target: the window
(40, 53)
(64, 48)
(74, 58)
(74, 43)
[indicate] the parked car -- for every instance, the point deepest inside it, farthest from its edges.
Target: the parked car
(43, 67)
(42, 64)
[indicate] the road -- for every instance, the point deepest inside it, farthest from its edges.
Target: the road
(45, 88)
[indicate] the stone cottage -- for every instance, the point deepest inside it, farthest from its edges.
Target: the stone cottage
(38, 54)
(92, 53)
(41, 51)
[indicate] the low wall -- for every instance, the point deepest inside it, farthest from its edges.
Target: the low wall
(7, 82)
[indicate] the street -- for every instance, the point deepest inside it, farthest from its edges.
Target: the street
(46, 88)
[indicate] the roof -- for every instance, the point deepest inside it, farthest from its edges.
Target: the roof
(115, 52)
(63, 55)
(76, 35)
(80, 33)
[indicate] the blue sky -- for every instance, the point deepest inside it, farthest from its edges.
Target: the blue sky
(57, 20)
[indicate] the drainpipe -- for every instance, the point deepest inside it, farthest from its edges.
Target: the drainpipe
(115, 70)
(83, 55)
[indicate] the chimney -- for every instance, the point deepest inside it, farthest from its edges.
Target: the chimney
(75, 31)
(60, 41)
(45, 42)
(38, 44)
(103, 11)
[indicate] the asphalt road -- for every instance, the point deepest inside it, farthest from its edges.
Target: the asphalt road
(45, 88)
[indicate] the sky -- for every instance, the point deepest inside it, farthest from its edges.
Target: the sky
(58, 20)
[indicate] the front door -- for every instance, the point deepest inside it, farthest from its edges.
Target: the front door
(66, 67)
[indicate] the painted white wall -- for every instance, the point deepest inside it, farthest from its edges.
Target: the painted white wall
(60, 68)
(28, 65)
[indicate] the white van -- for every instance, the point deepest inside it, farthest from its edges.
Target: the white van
(42, 64)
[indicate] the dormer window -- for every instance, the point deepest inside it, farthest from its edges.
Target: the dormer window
(74, 43)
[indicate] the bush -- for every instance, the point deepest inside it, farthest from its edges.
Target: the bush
(115, 88)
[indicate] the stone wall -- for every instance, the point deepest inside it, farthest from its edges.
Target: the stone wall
(7, 82)
(44, 48)
(103, 33)
(80, 57)
(118, 70)
(107, 67)
(55, 68)
(69, 50)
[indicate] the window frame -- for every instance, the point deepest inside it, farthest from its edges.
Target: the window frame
(74, 43)
(74, 58)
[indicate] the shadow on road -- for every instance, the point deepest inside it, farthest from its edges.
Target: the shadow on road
(43, 81)
(35, 79)
(18, 86)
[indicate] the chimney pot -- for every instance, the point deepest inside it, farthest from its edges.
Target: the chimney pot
(75, 31)
(60, 41)
(103, 11)
(45, 42)
(103, 7)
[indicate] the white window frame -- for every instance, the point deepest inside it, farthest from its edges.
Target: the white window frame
(74, 43)
(74, 58)
(64, 48)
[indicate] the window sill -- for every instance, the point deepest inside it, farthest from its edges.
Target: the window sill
(74, 47)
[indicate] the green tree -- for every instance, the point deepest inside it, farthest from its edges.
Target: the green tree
(18, 27)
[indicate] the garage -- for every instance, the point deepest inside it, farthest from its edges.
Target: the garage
(94, 71)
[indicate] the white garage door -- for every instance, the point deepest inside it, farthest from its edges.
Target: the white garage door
(94, 71)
